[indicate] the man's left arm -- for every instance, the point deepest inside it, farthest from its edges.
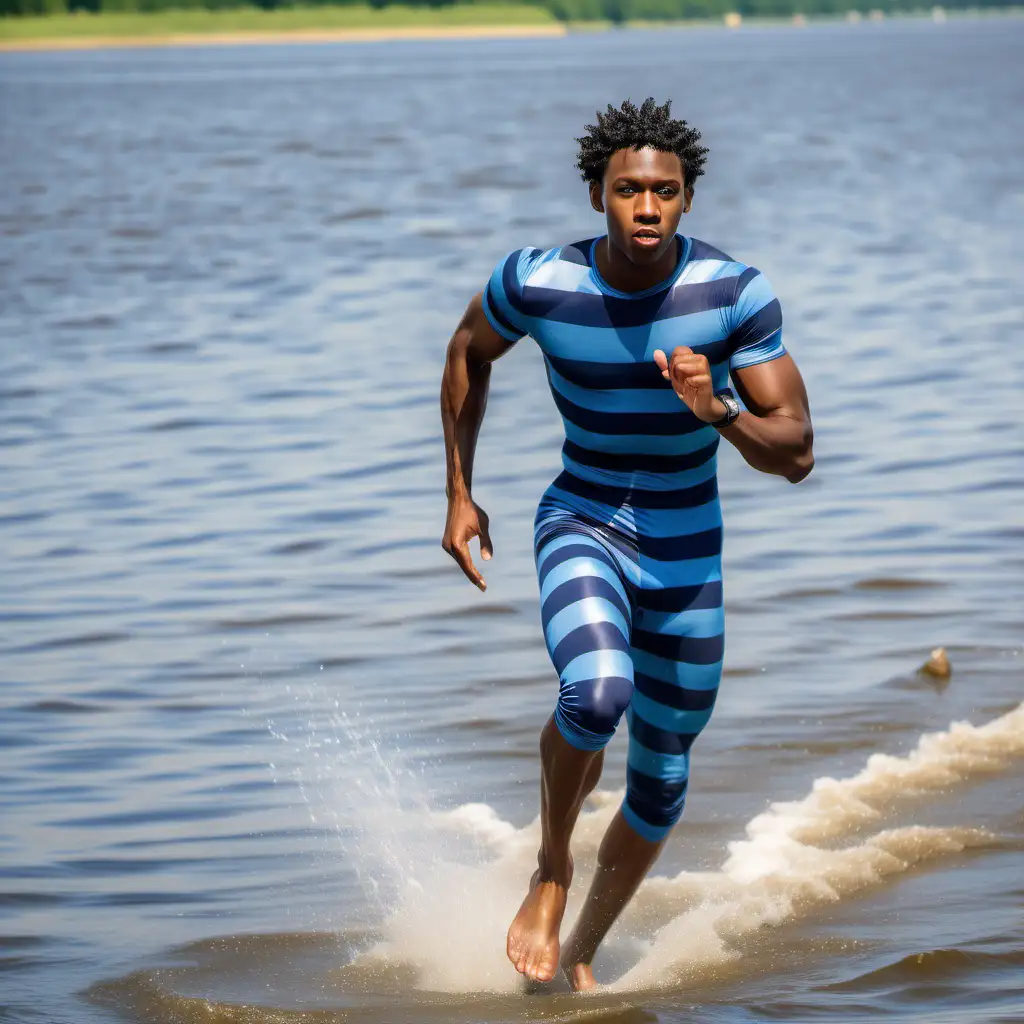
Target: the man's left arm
(774, 434)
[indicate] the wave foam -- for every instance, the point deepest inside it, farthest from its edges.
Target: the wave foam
(449, 917)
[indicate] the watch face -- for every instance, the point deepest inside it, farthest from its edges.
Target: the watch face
(732, 408)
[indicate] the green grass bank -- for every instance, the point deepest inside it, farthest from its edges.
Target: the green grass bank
(280, 22)
(119, 24)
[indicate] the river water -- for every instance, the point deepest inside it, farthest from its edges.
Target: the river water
(266, 756)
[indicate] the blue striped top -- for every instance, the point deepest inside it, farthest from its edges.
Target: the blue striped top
(624, 425)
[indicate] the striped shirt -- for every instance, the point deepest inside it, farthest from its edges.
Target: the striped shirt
(625, 428)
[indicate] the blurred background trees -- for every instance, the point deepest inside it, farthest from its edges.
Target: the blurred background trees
(616, 11)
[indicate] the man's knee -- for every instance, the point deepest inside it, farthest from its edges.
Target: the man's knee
(588, 712)
(653, 806)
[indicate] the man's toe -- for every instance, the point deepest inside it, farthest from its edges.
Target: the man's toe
(546, 970)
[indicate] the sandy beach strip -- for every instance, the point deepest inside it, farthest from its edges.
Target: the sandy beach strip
(274, 37)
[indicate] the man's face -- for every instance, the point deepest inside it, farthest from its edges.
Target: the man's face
(643, 195)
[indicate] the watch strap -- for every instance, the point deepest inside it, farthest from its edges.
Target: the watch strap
(732, 408)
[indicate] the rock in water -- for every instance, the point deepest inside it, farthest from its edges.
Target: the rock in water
(937, 666)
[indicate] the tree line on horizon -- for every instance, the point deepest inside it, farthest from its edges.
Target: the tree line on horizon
(616, 11)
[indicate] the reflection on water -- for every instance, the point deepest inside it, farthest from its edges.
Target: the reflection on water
(263, 752)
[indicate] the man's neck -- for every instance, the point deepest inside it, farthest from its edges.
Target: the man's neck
(625, 276)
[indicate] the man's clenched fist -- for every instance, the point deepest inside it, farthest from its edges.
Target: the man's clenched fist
(690, 376)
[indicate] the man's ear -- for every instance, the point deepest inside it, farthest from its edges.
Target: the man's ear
(596, 197)
(687, 199)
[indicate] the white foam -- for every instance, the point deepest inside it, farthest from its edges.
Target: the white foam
(458, 876)
(780, 872)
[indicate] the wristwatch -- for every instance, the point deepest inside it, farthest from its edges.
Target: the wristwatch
(732, 408)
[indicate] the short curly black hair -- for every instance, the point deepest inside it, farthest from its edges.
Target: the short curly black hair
(639, 127)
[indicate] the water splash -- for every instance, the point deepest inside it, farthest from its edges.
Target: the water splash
(448, 882)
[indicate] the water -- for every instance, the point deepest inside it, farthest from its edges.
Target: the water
(266, 756)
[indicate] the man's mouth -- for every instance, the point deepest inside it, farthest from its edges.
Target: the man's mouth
(646, 236)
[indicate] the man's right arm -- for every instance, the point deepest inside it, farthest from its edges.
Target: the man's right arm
(467, 374)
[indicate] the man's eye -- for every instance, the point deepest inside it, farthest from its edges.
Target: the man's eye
(626, 190)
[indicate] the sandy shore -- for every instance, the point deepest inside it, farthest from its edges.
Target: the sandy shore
(369, 35)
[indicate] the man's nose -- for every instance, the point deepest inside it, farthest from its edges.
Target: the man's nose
(646, 208)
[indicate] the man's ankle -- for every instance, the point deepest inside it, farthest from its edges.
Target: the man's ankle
(554, 869)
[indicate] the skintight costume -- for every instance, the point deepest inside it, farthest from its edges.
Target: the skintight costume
(628, 538)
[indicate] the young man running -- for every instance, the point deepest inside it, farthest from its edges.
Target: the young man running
(640, 330)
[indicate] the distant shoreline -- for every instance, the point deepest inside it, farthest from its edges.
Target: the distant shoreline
(356, 22)
(273, 37)
(245, 27)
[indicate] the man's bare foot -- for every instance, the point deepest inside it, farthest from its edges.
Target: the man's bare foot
(580, 977)
(532, 943)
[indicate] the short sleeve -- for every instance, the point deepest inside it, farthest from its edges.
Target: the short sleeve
(756, 335)
(503, 298)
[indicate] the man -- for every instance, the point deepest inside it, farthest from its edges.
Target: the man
(640, 330)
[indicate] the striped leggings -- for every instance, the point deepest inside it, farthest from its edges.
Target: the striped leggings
(633, 621)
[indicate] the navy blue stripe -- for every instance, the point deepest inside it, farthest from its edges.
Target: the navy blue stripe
(742, 281)
(603, 701)
(510, 280)
(594, 636)
(715, 351)
(681, 599)
(673, 696)
(577, 252)
(554, 558)
(661, 741)
(675, 549)
(702, 251)
(608, 376)
(578, 589)
(495, 310)
(655, 801)
(758, 326)
(690, 650)
(687, 497)
(586, 309)
(660, 424)
(628, 462)
(563, 527)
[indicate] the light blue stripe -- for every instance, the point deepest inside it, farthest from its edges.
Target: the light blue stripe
(669, 719)
(693, 677)
(671, 522)
(575, 567)
(696, 622)
(763, 352)
(594, 509)
(565, 539)
(502, 301)
(710, 269)
(756, 294)
(642, 479)
(493, 321)
(586, 611)
(680, 574)
(667, 767)
(652, 833)
(551, 271)
(597, 665)
(644, 444)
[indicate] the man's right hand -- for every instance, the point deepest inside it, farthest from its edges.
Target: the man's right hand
(466, 520)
